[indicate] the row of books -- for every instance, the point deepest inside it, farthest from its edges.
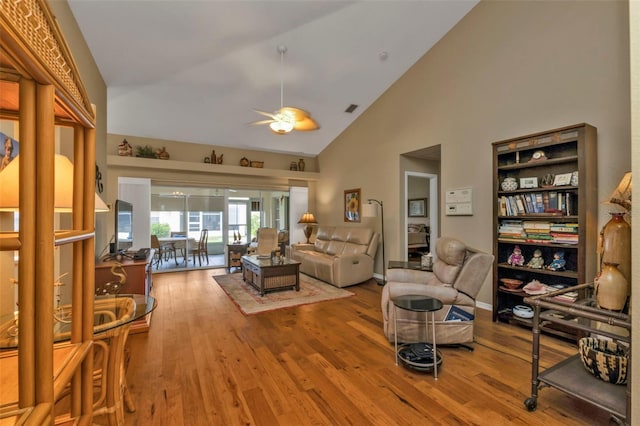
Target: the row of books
(538, 231)
(538, 202)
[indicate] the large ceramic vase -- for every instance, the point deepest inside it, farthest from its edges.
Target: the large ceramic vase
(616, 245)
(611, 288)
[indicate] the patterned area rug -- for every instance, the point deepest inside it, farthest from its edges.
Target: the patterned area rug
(250, 302)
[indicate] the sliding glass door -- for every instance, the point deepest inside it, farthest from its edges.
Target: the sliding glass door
(228, 214)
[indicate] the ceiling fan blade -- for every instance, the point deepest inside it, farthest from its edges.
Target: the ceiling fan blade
(266, 114)
(305, 125)
(303, 120)
(297, 113)
(255, 123)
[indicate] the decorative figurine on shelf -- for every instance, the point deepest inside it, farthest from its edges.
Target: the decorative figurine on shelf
(213, 158)
(558, 262)
(125, 149)
(516, 258)
(536, 262)
(219, 159)
(162, 154)
(547, 180)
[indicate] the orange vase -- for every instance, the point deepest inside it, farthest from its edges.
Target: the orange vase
(616, 245)
(611, 288)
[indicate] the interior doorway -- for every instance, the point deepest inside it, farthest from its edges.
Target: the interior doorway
(421, 201)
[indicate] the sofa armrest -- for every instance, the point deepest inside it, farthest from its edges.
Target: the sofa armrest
(302, 246)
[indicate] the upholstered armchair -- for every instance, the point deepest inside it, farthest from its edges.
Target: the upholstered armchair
(458, 274)
(267, 242)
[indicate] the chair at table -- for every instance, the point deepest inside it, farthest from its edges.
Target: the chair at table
(201, 249)
(162, 251)
(181, 246)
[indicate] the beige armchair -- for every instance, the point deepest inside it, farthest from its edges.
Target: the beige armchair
(267, 242)
(458, 274)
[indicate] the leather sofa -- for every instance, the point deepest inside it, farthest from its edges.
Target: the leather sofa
(458, 274)
(340, 255)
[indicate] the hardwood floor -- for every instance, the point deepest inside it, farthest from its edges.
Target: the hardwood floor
(204, 363)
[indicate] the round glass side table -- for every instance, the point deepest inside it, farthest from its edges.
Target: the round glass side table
(421, 351)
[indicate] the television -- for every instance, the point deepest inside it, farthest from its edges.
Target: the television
(123, 226)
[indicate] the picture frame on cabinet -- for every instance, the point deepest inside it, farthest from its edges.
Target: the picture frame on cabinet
(529, 182)
(562, 179)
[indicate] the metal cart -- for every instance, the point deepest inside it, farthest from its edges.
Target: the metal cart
(569, 375)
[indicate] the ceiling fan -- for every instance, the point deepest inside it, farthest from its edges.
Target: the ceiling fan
(286, 119)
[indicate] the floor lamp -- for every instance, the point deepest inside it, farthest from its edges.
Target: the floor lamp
(371, 210)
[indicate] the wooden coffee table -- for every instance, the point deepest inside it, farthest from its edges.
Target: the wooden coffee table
(265, 275)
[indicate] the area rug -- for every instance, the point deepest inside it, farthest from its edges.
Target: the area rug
(250, 302)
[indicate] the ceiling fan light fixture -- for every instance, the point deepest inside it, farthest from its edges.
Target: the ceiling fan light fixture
(284, 122)
(281, 127)
(288, 118)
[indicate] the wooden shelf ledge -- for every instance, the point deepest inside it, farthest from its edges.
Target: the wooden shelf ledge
(152, 163)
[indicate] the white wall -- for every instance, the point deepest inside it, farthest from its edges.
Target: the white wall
(299, 204)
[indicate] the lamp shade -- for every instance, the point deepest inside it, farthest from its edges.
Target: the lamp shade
(307, 218)
(369, 210)
(622, 194)
(100, 206)
(63, 187)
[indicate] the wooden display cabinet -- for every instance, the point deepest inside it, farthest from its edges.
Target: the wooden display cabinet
(552, 207)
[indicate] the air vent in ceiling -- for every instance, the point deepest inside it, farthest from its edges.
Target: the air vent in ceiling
(351, 108)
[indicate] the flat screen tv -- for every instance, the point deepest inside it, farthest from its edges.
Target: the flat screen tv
(123, 226)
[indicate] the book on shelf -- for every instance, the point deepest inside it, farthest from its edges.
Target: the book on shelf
(565, 228)
(564, 238)
(520, 205)
(570, 297)
(539, 201)
(553, 200)
(529, 203)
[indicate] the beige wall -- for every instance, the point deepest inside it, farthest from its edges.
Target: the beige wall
(507, 69)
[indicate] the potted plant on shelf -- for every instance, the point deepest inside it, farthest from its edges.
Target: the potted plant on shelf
(145, 151)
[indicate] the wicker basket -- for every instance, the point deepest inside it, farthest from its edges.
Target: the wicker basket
(605, 359)
(257, 164)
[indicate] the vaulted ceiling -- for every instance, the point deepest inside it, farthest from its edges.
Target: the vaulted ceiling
(195, 71)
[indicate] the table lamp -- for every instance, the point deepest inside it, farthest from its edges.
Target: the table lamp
(63, 188)
(308, 219)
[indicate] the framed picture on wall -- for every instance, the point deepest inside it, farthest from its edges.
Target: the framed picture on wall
(352, 205)
(417, 207)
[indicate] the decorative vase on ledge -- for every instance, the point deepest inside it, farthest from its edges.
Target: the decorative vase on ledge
(611, 288)
(616, 244)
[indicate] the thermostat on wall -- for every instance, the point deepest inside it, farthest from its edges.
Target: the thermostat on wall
(458, 202)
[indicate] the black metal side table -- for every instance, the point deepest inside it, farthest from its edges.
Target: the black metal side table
(418, 303)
